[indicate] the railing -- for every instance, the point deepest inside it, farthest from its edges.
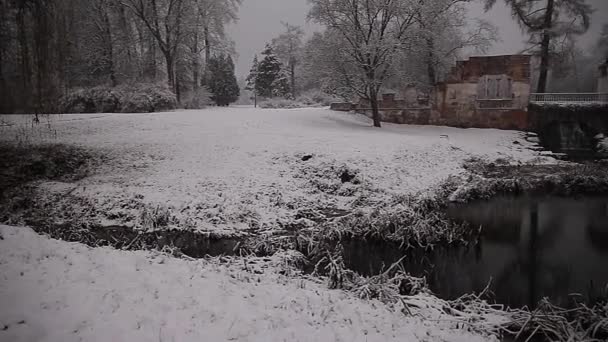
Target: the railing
(569, 97)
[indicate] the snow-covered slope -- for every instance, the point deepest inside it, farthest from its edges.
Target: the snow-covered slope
(56, 291)
(223, 170)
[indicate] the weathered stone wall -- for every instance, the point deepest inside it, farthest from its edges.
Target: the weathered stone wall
(569, 128)
(459, 102)
(463, 100)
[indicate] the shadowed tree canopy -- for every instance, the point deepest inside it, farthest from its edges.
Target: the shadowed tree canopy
(50, 49)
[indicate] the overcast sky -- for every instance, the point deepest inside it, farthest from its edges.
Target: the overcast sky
(260, 21)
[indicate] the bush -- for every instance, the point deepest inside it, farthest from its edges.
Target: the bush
(281, 103)
(198, 99)
(160, 96)
(140, 98)
(314, 98)
(321, 98)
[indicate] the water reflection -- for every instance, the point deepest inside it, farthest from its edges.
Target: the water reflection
(530, 248)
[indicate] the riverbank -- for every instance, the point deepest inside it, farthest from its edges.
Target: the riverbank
(256, 181)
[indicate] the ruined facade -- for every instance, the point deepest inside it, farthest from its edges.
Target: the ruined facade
(484, 92)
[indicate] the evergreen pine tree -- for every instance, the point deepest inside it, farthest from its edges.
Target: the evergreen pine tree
(253, 75)
(268, 71)
(251, 79)
(233, 85)
(222, 81)
(281, 85)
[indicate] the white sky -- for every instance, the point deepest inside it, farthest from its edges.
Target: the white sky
(260, 21)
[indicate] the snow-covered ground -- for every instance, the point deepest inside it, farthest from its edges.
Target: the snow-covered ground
(225, 170)
(58, 291)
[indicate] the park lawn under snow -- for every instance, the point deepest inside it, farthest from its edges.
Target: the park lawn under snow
(226, 171)
(58, 291)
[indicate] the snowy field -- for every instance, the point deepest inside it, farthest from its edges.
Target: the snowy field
(232, 170)
(58, 291)
(224, 171)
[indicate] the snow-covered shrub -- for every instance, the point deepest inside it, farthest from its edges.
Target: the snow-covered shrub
(306, 100)
(602, 143)
(314, 98)
(197, 99)
(140, 98)
(161, 97)
(281, 103)
(321, 98)
(135, 102)
(90, 100)
(146, 97)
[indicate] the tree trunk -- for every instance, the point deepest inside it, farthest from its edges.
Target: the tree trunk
(126, 37)
(373, 100)
(42, 37)
(207, 50)
(170, 70)
(25, 59)
(196, 63)
(544, 49)
(430, 67)
(292, 65)
(109, 47)
(544, 64)
(178, 93)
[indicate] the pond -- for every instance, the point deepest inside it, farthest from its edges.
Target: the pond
(529, 248)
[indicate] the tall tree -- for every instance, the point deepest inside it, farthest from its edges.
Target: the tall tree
(546, 21)
(373, 32)
(252, 80)
(100, 46)
(49, 47)
(268, 73)
(163, 18)
(443, 31)
(288, 47)
(602, 42)
(209, 31)
(222, 80)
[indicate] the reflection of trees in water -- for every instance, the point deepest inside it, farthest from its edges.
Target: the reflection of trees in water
(597, 230)
(529, 270)
(524, 277)
(500, 219)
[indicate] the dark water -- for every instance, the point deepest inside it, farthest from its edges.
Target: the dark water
(530, 248)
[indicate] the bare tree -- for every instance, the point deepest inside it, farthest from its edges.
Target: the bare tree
(287, 47)
(545, 21)
(373, 31)
(50, 47)
(100, 46)
(443, 32)
(214, 15)
(163, 18)
(602, 42)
